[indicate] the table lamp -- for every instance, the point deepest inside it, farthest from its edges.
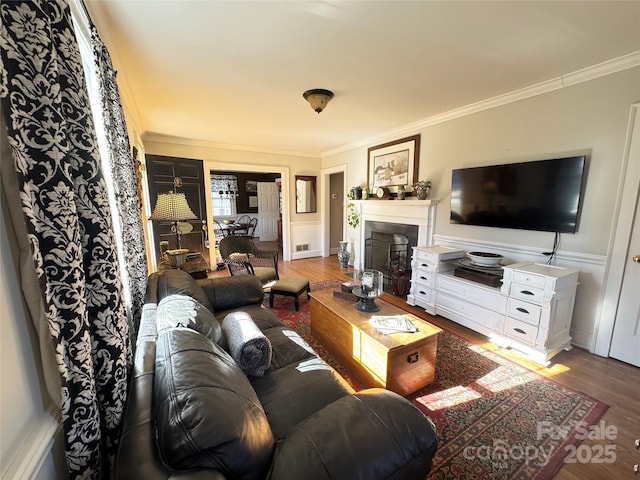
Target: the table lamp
(173, 207)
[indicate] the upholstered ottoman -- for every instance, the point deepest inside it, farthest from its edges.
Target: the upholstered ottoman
(290, 287)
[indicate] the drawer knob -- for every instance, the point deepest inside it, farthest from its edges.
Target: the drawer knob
(523, 310)
(526, 292)
(519, 330)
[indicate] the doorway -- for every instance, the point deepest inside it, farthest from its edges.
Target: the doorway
(336, 211)
(332, 208)
(281, 172)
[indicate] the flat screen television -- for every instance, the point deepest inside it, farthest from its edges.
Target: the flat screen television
(542, 195)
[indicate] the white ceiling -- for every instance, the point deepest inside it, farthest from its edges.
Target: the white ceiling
(233, 72)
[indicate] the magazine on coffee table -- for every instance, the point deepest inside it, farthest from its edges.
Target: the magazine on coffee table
(392, 324)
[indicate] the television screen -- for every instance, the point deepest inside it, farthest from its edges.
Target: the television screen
(541, 195)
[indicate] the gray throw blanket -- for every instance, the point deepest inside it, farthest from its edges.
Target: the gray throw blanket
(248, 346)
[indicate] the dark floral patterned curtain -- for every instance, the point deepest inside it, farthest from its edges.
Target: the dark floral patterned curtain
(65, 203)
(125, 185)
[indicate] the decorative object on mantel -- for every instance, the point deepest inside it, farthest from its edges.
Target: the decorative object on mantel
(355, 193)
(393, 164)
(343, 254)
(401, 194)
(318, 98)
(422, 189)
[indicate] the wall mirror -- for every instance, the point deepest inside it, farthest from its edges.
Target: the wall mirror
(305, 194)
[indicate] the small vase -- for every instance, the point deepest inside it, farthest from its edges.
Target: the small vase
(343, 255)
(422, 193)
(401, 192)
(356, 193)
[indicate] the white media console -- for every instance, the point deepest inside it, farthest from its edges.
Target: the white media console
(531, 311)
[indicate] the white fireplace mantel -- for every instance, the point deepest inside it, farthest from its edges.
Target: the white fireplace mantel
(409, 212)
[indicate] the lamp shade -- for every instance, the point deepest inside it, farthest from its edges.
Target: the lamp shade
(318, 98)
(172, 207)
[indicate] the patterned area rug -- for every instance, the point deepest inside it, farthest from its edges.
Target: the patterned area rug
(494, 418)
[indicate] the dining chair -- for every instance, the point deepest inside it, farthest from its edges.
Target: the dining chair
(251, 232)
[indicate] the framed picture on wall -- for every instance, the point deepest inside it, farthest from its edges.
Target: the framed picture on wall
(394, 163)
(251, 186)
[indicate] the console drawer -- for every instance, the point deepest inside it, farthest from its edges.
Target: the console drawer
(422, 294)
(527, 293)
(521, 331)
(529, 279)
(479, 315)
(424, 278)
(486, 297)
(525, 311)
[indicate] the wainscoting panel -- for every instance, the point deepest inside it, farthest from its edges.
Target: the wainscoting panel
(306, 240)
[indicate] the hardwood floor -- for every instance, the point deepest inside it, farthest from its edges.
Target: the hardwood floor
(610, 381)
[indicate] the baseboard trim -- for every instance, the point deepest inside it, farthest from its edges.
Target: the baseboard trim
(35, 449)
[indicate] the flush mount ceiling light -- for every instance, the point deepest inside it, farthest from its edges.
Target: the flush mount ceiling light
(318, 98)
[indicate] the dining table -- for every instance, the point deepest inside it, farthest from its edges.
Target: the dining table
(235, 228)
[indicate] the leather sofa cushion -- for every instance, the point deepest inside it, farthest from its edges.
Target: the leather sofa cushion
(207, 414)
(262, 317)
(174, 280)
(287, 347)
(292, 393)
(184, 311)
(374, 433)
(227, 293)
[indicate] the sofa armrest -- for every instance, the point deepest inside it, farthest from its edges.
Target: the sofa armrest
(226, 293)
(373, 434)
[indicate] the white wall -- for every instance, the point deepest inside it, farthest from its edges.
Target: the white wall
(589, 117)
(27, 421)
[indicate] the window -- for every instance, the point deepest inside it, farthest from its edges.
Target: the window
(224, 191)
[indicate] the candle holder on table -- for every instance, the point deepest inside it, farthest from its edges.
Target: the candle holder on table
(369, 286)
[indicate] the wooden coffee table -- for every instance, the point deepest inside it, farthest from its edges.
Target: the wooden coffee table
(401, 362)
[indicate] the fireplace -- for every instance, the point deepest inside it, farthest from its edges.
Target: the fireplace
(388, 247)
(414, 219)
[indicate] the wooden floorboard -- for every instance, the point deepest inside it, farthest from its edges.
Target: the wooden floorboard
(615, 383)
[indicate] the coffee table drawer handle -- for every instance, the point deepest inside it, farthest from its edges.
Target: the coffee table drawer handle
(413, 358)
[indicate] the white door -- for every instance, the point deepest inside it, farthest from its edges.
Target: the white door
(268, 211)
(625, 343)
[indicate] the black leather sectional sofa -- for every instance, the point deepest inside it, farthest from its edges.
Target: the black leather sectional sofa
(193, 414)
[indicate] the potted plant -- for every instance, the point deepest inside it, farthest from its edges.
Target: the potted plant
(422, 189)
(353, 217)
(356, 193)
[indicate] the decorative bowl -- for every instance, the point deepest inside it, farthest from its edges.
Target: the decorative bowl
(485, 259)
(227, 221)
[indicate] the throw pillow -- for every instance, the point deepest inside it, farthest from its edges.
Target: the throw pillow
(184, 311)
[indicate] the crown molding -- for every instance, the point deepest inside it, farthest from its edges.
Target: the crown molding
(593, 72)
(160, 138)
